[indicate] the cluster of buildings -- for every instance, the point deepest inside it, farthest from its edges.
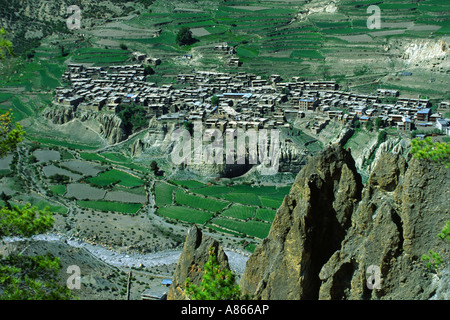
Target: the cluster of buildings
(241, 100)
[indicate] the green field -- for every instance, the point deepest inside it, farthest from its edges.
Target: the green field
(265, 214)
(240, 210)
(243, 198)
(214, 191)
(163, 193)
(252, 228)
(91, 156)
(213, 205)
(99, 56)
(129, 208)
(115, 176)
(190, 184)
(115, 157)
(185, 214)
(58, 189)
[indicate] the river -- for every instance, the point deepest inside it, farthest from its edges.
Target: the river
(236, 259)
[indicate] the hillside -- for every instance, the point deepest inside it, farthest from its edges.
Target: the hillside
(313, 39)
(96, 174)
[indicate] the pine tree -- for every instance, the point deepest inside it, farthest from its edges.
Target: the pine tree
(6, 46)
(217, 284)
(24, 277)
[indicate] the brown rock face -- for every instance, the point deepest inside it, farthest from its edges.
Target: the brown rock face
(397, 220)
(333, 239)
(307, 230)
(192, 259)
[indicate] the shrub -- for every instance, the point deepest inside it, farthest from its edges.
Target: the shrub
(382, 136)
(433, 151)
(433, 261)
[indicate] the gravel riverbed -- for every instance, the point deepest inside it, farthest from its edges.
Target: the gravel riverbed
(236, 259)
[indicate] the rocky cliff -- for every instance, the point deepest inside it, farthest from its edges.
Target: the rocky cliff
(108, 125)
(333, 238)
(159, 139)
(307, 230)
(192, 259)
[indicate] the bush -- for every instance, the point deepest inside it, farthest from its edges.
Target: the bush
(214, 100)
(436, 152)
(148, 71)
(382, 137)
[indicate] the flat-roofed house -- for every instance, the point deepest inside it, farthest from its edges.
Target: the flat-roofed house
(442, 124)
(307, 104)
(405, 125)
(423, 114)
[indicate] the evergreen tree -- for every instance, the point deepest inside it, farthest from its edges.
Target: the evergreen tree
(434, 151)
(24, 277)
(214, 100)
(217, 284)
(154, 166)
(6, 47)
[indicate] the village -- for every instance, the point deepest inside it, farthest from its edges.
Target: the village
(241, 100)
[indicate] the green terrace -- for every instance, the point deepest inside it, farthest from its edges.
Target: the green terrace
(269, 39)
(100, 57)
(241, 210)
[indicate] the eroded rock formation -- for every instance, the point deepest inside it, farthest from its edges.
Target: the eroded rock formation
(332, 234)
(192, 259)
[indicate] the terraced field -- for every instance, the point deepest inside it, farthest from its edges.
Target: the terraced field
(116, 177)
(240, 210)
(282, 37)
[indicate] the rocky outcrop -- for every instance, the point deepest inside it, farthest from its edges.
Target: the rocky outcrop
(59, 115)
(292, 157)
(111, 127)
(330, 236)
(395, 146)
(159, 139)
(191, 262)
(333, 238)
(343, 136)
(400, 214)
(107, 125)
(307, 230)
(427, 52)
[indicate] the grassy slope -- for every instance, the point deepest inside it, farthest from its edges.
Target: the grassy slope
(268, 41)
